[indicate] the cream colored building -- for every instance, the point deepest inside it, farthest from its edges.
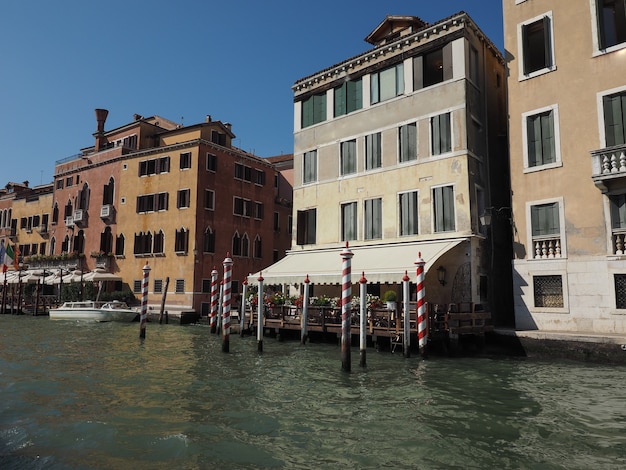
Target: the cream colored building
(394, 152)
(567, 104)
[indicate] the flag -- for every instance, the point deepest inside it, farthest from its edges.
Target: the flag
(10, 256)
(2, 252)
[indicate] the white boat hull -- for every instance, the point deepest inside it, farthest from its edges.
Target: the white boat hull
(94, 311)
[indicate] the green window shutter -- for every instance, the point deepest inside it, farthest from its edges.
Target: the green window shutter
(307, 112)
(374, 88)
(547, 137)
(547, 43)
(447, 61)
(340, 100)
(353, 96)
(418, 73)
(545, 219)
(618, 211)
(525, 48)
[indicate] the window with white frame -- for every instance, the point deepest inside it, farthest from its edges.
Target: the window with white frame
(309, 167)
(536, 46)
(373, 218)
(373, 151)
(614, 110)
(181, 241)
(540, 134)
(306, 227)
(314, 109)
(183, 198)
(348, 221)
(407, 139)
(611, 20)
(548, 291)
(441, 134)
(433, 67)
(407, 204)
(443, 209)
(209, 199)
(386, 84)
(545, 223)
(348, 157)
(185, 160)
(620, 291)
(617, 204)
(348, 97)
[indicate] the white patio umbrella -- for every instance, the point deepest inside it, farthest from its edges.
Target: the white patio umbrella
(100, 276)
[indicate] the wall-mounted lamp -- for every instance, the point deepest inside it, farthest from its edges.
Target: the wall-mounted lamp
(485, 219)
(441, 275)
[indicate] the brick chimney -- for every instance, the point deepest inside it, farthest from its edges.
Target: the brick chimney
(101, 117)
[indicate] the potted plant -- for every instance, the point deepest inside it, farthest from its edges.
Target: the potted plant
(390, 298)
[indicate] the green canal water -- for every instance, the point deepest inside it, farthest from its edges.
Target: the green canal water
(94, 396)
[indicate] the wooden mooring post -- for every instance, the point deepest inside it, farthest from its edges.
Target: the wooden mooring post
(167, 283)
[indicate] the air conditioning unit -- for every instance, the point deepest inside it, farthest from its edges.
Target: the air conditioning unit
(42, 229)
(78, 215)
(106, 211)
(69, 221)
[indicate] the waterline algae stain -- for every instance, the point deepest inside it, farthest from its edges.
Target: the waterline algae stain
(69, 399)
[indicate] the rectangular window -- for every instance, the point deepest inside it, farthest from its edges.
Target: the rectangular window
(158, 286)
(306, 227)
(161, 200)
(441, 134)
(408, 213)
(387, 84)
(180, 286)
(548, 291)
(545, 220)
(620, 291)
(611, 22)
(614, 119)
(259, 177)
(618, 211)
(540, 139)
(185, 160)
(433, 67)
(309, 167)
(276, 222)
(407, 138)
(59, 184)
(348, 97)
(373, 151)
(537, 45)
(206, 286)
(241, 207)
(137, 286)
(373, 219)
(209, 199)
(258, 210)
(183, 198)
(314, 110)
(443, 207)
(348, 157)
(348, 221)
(211, 162)
(238, 171)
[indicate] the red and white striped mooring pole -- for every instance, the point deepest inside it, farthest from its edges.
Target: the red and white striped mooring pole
(422, 319)
(346, 296)
(228, 269)
(144, 301)
(214, 299)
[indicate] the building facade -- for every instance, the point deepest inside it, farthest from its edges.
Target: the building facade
(397, 151)
(566, 96)
(178, 199)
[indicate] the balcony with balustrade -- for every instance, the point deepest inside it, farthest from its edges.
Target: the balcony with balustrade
(608, 164)
(547, 247)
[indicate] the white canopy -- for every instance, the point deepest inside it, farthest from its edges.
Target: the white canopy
(380, 263)
(100, 275)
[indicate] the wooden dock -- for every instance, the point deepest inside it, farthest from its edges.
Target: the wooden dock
(449, 325)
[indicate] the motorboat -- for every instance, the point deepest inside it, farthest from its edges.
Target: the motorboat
(95, 311)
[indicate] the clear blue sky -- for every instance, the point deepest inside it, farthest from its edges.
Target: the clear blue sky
(235, 60)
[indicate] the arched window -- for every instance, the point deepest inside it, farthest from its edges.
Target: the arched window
(69, 209)
(208, 242)
(181, 242)
(236, 244)
(108, 192)
(79, 242)
(55, 214)
(258, 247)
(53, 245)
(106, 241)
(82, 200)
(245, 245)
(159, 238)
(119, 245)
(65, 246)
